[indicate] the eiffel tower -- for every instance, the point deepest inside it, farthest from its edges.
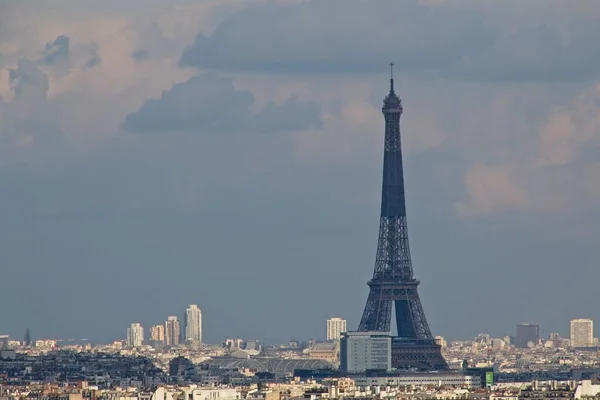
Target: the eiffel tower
(393, 282)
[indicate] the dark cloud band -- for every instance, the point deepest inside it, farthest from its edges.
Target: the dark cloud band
(353, 36)
(207, 103)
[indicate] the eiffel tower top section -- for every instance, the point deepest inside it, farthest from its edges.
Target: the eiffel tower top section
(392, 103)
(393, 202)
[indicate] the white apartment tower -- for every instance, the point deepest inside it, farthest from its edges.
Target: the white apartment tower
(172, 331)
(135, 335)
(582, 333)
(193, 324)
(335, 327)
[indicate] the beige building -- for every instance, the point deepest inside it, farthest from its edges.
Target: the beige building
(335, 327)
(582, 333)
(325, 351)
(440, 341)
(172, 331)
(157, 333)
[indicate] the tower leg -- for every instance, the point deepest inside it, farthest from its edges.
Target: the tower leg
(378, 313)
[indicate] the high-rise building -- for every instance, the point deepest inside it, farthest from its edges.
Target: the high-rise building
(157, 333)
(361, 351)
(172, 331)
(527, 334)
(135, 335)
(27, 339)
(582, 333)
(335, 327)
(193, 324)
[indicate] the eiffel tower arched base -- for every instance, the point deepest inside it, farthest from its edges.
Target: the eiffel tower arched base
(417, 354)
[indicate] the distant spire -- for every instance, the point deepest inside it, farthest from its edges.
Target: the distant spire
(391, 77)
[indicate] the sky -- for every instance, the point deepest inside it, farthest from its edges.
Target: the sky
(228, 153)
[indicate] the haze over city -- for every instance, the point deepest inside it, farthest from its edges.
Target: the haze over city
(228, 154)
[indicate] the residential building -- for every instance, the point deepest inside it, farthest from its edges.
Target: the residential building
(440, 341)
(135, 335)
(582, 333)
(172, 331)
(335, 327)
(193, 324)
(157, 333)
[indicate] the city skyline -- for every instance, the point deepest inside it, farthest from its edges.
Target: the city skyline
(335, 325)
(156, 336)
(122, 163)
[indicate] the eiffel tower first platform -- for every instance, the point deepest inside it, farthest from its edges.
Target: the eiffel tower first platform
(393, 282)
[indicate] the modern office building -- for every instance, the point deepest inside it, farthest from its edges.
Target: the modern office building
(172, 331)
(363, 351)
(135, 335)
(193, 324)
(335, 327)
(527, 334)
(582, 333)
(27, 338)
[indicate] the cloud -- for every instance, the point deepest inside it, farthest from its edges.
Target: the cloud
(94, 61)
(91, 81)
(538, 53)
(570, 130)
(504, 154)
(28, 82)
(340, 36)
(492, 189)
(446, 38)
(29, 115)
(207, 103)
(140, 55)
(57, 51)
(554, 169)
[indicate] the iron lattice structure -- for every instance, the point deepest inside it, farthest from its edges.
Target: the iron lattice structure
(393, 283)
